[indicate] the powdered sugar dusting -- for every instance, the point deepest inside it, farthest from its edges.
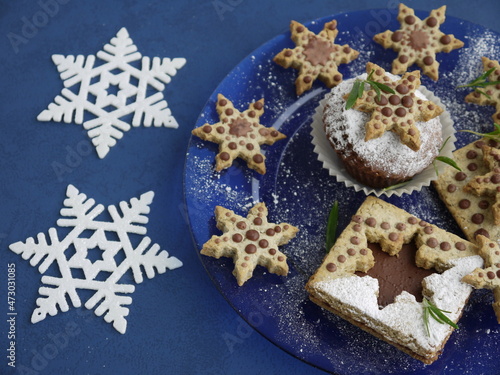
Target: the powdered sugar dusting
(403, 319)
(299, 191)
(478, 46)
(467, 68)
(386, 153)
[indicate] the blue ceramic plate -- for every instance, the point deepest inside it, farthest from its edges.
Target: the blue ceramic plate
(299, 191)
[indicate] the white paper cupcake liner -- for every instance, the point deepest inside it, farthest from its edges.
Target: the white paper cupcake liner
(328, 156)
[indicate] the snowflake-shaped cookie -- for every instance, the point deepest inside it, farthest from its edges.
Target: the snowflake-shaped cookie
(489, 277)
(315, 56)
(102, 277)
(250, 241)
(113, 90)
(397, 112)
(417, 41)
(488, 184)
(239, 135)
(493, 91)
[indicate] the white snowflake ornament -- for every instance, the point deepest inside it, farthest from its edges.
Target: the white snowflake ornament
(109, 298)
(90, 88)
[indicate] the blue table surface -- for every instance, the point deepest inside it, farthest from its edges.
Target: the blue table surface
(178, 321)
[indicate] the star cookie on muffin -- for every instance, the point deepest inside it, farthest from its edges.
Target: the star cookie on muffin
(250, 241)
(397, 111)
(417, 41)
(316, 56)
(239, 134)
(489, 277)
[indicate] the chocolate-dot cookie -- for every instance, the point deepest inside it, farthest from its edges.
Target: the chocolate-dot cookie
(239, 135)
(316, 56)
(417, 41)
(250, 241)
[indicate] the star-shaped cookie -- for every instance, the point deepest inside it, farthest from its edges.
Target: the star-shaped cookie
(250, 241)
(488, 184)
(493, 91)
(417, 41)
(397, 112)
(489, 277)
(316, 56)
(239, 134)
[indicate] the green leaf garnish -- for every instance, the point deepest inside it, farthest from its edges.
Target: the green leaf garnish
(483, 93)
(444, 143)
(426, 319)
(359, 87)
(396, 186)
(353, 96)
(481, 82)
(377, 91)
(483, 76)
(331, 227)
(369, 78)
(448, 161)
(437, 314)
(495, 134)
(445, 159)
(383, 87)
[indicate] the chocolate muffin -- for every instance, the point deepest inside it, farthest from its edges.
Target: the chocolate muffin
(384, 161)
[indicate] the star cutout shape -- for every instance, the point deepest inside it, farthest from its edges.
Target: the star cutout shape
(488, 277)
(250, 241)
(97, 240)
(315, 56)
(417, 41)
(239, 134)
(489, 183)
(398, 112)
(493, 91)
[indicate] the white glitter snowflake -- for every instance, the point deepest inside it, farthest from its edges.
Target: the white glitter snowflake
(101, 276)
(112, 90)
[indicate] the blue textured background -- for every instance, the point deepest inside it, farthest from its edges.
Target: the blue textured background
(178, 322)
